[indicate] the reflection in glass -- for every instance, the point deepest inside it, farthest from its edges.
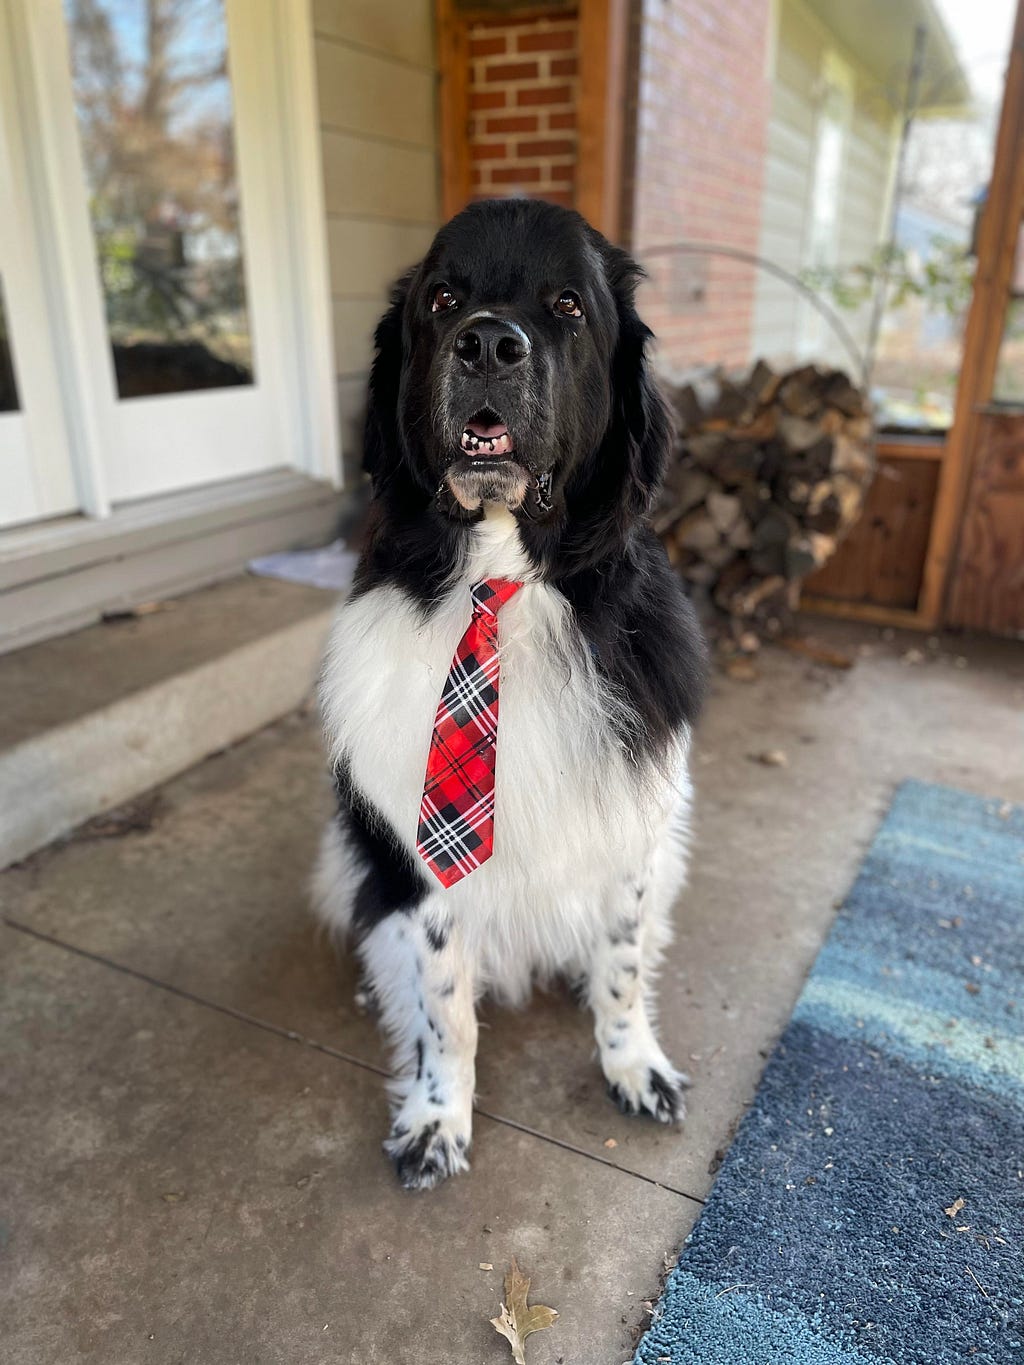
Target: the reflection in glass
(949, 155)
(1009, 383)
(153, 103)
(8, 387)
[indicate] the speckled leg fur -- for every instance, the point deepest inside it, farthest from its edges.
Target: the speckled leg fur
(417, 970)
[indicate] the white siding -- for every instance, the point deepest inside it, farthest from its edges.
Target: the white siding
(782, 321)
(377, 82)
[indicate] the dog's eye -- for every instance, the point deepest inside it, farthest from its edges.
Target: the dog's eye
(569, 305)
(443, 299)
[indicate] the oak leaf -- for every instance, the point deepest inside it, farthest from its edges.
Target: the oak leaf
(517, 1319)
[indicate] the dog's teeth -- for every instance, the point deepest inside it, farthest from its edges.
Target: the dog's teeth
(473, 444)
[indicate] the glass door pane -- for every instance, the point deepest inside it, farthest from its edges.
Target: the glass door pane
(153, 104)
(1009, 381)
(169, 180)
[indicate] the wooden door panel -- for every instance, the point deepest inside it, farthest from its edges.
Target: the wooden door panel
(988, 577)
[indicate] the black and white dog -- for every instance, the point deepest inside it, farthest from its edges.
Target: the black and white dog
(513, 432)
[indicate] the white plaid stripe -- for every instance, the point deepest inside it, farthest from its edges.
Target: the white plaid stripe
(448, 838)
(464, 692)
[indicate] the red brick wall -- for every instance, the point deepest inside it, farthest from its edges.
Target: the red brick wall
(702, 109)
(522, 94)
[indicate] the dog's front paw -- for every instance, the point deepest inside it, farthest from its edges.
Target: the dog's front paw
(426, 1152)
(653, 1089)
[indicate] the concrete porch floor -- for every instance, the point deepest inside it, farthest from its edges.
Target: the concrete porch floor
(193, 1111)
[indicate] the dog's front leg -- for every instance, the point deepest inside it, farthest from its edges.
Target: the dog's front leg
(423, 982)
(641, 1079)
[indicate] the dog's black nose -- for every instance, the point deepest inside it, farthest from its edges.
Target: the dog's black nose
(491, 346)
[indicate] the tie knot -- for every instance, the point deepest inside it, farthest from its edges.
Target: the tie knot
(492, 594)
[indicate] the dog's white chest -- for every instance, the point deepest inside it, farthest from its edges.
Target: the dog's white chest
(570, 818)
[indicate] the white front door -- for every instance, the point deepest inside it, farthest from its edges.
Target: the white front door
(163, 210)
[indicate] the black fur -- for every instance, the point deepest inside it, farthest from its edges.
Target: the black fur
(668, 1102)
(423, 1158)
(391, 881)
(437, 937)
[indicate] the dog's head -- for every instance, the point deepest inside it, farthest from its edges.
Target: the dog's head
(511, 368)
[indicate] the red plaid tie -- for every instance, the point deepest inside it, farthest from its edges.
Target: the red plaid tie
(456, 829)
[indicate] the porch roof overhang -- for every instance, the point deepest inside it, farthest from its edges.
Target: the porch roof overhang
(879, 34)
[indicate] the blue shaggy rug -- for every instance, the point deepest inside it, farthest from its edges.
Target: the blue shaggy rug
(871, 1209)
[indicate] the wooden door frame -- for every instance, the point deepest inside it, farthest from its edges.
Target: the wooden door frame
(600, 108)
(983, 332)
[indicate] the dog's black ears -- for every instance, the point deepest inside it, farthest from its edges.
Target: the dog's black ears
(641, 426)
(382, 441)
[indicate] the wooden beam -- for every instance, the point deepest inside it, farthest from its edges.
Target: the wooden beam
(910, 447)
(600, 112)
(983, 332)
(453, 99)
(869, 612)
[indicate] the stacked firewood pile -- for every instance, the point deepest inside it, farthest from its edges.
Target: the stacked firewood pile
(770, 472)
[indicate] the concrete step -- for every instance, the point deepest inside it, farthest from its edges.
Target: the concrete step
(92, 719)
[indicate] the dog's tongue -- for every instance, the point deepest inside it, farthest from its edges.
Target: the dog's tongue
(485, 432)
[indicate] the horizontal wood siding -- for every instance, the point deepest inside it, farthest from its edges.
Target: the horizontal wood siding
(377, 80)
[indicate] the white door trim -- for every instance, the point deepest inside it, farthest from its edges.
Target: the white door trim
(37, 477)
(295, 45)
(85, 368)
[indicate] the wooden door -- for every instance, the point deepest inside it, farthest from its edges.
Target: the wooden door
(987, 591)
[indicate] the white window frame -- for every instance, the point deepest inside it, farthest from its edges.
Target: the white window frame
(837, 85)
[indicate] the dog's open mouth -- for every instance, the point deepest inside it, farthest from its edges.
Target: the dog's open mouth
(486, 468)
(487, 437)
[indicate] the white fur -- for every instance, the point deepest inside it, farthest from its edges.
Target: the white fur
(586, 839)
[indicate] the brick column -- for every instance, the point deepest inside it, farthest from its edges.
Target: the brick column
(522, 99)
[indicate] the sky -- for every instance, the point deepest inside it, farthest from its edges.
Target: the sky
(980, 30)
(949, 160)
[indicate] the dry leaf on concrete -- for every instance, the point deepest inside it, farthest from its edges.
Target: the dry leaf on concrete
(518, 1320)
(771, 758)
